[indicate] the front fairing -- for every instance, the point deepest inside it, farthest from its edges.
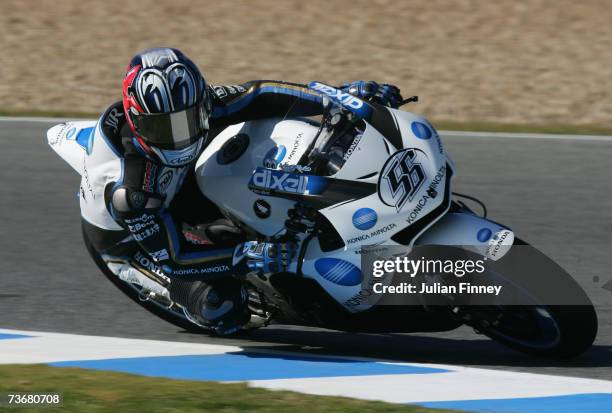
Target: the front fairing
(410, 178)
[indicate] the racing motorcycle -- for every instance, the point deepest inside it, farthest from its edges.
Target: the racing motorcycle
(338, 185)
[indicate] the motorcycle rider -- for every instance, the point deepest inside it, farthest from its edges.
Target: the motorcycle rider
(168, 114)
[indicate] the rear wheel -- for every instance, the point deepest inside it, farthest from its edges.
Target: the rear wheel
(173, 316)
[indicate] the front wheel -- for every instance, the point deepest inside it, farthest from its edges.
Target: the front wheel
(546, 331)
(556, 331)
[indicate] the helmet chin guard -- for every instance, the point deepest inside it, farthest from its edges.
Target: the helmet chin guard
(172, 157)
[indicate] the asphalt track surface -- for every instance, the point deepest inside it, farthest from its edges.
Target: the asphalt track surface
(554, 193)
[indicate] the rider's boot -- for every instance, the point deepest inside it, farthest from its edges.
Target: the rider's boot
(222, 306)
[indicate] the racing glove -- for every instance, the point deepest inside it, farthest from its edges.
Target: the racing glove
(269, 257)
(384, 94)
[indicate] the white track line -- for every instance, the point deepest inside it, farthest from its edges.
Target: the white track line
(444, 133)
(46, 347)
(463, 383)
(457, 383)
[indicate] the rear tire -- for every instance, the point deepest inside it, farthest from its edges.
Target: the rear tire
(152, 307)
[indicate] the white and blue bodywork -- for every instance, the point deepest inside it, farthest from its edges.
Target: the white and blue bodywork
(410, 181)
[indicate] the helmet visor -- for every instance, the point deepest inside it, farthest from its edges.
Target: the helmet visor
(175, 130)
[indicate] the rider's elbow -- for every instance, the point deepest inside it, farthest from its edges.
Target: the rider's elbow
(128, 202)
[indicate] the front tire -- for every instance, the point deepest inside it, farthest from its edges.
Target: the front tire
(554, 331)
(574, 330)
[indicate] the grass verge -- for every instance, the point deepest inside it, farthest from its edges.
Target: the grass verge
(471, 126)
(100, 392)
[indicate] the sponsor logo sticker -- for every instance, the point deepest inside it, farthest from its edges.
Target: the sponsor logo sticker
(372, 234)
(148, 264)
(484, 234)
(112, 120)
(160, 255)
(296, 146)
(421, 130)
(336, 94)
(500, 244)
(338, 271)
(401, 177)
(267, 180)
(364, 218)
(262, 209)
(351, 148)
(347, 100)
(181, 160)
(431, 193)
(274, 157)
(299, 169)
(164, 181)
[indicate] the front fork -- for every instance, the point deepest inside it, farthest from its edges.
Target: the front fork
(475, 234)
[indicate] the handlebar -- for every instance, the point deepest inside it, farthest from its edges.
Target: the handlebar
(411, 99)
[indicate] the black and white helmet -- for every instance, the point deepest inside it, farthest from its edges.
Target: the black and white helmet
(167, 105)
